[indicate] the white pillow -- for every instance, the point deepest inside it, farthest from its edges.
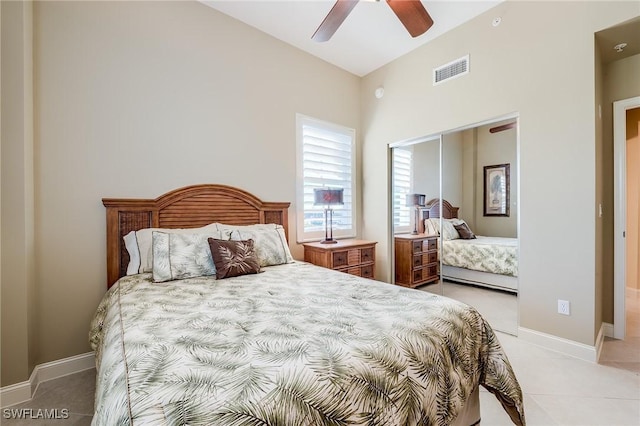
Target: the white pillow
(180, 256)
(432, 227)
(131, 244)
(449, 232)
(140, 249)
(270, 243)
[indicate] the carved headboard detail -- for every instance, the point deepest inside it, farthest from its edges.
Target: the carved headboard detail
(432, 210)
(188, 207)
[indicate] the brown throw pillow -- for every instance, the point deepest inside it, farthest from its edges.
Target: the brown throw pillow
(464, 231)
(233, 258)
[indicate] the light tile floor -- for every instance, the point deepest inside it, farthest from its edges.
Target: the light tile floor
(558, 389)
(499, 308)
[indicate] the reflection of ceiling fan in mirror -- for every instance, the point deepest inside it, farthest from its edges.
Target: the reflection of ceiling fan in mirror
(411, 13)
(503, 127)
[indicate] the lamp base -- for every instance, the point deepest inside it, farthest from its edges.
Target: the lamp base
(332, 241)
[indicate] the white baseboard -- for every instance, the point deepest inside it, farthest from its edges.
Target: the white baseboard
(559, 344)
(22, 392)
(607, 329)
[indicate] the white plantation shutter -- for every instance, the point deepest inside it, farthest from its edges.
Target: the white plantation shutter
(326, 159)
(401, 187)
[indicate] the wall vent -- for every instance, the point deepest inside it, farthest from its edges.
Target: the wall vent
(451, 70)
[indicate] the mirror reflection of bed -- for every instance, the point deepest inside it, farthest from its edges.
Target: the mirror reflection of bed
(479, 270)
(451, 167)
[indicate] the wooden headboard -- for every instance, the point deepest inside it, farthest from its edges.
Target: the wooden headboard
(188, 207)
(432, 209)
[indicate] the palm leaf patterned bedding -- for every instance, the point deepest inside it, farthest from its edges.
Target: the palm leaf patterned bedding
(496, 255)
(293, 345)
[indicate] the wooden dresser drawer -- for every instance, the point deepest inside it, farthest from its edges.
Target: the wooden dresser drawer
(416, 259)
(355, 257)
(424, 259)
(340, 258)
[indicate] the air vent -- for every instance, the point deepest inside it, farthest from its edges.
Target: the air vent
(451, 70)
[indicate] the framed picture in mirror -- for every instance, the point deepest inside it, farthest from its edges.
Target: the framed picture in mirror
(496, 190)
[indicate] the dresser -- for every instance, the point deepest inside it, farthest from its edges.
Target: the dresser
(356, 257)
(416, 259)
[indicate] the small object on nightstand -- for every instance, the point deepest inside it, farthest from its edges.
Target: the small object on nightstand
(416, 258)
(328, 197)
(415, 201)
(355, 257)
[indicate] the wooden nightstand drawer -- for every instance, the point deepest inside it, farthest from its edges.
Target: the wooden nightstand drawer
(430, 244)
(340, 258)
(424, 259)
(368, 254)
(355, 257)
(367, 271)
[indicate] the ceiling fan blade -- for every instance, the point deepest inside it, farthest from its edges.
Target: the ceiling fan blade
(503, 127)
(334, 19)
(413, 15)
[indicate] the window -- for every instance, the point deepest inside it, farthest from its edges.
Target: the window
(326, 159)
(401, 187)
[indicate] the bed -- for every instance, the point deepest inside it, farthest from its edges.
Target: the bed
(294, 344)
(481, 260)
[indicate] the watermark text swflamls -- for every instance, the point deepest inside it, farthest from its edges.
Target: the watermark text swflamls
(35, 413)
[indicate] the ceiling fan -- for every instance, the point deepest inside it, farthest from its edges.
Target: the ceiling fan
(411, 13)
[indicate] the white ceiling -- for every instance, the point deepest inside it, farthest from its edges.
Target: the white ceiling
(369, 38)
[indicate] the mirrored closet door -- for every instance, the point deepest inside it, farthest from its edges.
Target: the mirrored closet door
(468, 178)
(416, 178)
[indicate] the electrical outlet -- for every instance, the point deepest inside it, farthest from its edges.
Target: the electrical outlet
(564, 307)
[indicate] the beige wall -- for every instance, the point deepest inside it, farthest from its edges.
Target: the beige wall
(19, 312)
(133, 99)
(547, 77)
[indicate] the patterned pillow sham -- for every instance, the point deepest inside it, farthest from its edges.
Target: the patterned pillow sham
(179, 256)
(464, 231)
(139, 245)
(233, 258)
(270, 244)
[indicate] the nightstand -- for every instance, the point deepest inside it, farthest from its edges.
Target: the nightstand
(416, 258)
(355, 257)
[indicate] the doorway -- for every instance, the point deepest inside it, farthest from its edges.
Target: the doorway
(626, 124)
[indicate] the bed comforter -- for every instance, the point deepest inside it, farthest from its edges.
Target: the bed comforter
(294, 345)
(496, 255)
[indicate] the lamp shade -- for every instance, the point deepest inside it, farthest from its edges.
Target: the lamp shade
(415, 199)
(328, 196)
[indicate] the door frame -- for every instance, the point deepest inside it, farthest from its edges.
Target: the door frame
(620, 211)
